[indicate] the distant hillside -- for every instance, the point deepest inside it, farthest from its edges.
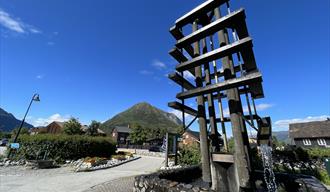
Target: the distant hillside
(8, 122)
(145, 115)
(282, 136)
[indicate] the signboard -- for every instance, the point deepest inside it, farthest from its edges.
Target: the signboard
(14, 145)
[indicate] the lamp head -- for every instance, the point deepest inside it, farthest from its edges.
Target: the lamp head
(36, 97)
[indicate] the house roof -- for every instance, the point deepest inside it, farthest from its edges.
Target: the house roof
(315, 129)
(61, 124)
(123, 129)
(193, 133)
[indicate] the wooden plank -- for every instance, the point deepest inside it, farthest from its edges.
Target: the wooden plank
(227, 119)
(222, 95)
(181, 81)
(179, 106)
(202, 9)
(222, 158)
(221, 73)
(252, 77)
(177, 55)
(216, 54)
(223, 22)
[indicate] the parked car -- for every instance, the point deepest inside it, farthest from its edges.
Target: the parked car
(4, 142)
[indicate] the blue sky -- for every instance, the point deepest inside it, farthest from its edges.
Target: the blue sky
(93, 59)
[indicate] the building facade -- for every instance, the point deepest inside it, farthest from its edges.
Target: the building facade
(120, 134)
(310, 134)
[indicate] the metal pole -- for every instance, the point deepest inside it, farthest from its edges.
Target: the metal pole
(225, 141)
(206, 169)
(20, 127)
(241, 155)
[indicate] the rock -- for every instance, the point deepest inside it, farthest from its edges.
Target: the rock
(196, 189)
(188, 186)
(7, 163)
(173, 184)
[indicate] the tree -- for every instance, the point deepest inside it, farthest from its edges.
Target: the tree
(93, 128)
(138, 135)
(23, 131)
(72, 127)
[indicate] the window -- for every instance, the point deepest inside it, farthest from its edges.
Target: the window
(307, 142)
(321, 142)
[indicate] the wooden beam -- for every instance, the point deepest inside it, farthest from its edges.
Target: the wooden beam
(177, 55)
(223, 22)
(223, 95)
(179, 106)
(181, 81)
(216, 54)
(177, 34)
(222, 158)
(200, 10)
(252, 77)
(221, 73)
(227, 119)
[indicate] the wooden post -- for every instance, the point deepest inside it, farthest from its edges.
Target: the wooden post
(214, 130)
(166, 151)
(206, 170)
(241, 154)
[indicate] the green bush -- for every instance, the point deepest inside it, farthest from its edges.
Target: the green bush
(189, 155)
(63, 147)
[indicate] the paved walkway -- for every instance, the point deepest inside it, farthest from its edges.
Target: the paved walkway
(17, 178)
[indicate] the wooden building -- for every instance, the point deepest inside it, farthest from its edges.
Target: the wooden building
(55, 127)
(190, 137)
(310, 134)
(120, 134)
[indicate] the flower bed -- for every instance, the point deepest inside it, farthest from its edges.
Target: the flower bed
(96, 163)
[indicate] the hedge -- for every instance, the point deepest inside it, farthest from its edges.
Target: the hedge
(63, 147)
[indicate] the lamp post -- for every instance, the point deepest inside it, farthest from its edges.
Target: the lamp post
(35, 97)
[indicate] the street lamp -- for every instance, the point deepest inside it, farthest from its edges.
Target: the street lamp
(34, 98)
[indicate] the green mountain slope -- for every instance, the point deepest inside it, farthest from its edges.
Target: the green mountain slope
(145, 115)
(8, 122)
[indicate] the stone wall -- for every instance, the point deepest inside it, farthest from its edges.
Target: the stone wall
(143, 152)
(178, 180)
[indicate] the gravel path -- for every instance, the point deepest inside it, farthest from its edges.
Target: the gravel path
(18, 178)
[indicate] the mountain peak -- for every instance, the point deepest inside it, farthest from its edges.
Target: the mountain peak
(8, 122)
(146, 115)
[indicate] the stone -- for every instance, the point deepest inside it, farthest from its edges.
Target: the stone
(196, 189)
(173, 184)
(141, 184)
(143, 190)
(188, 186)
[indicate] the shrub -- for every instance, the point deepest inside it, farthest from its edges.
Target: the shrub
(64, 147)
(72, 127)
(189, 155)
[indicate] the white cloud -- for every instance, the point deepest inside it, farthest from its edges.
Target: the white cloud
(14, 24)
(284, 124)
(50, 43)
(158, 64)
(146, 72)
(45, 121)
(40, 76)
